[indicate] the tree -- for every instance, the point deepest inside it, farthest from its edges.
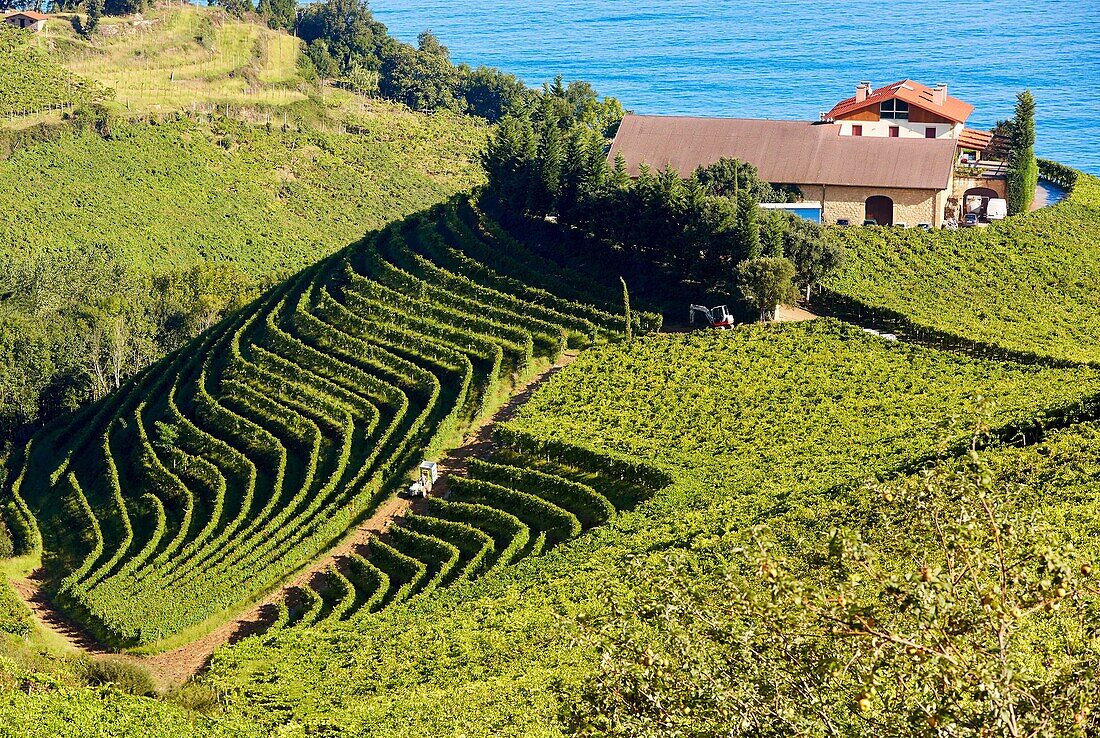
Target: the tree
(551, 162)
(348, 31)
(747, 232)
(628, 319)
(766, 283)
(814, 257)
(95, 13)
(955, 611)
(1023, 170)
(510, 161)
(279, 13)
(124, 7)
(1000, 145)
(490, 93)
(236, 8)
(772, 227)
(421, 78)
(726, 177)
(324, 63)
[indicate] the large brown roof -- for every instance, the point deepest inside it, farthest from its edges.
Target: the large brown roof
(784, 152)
(911, 92)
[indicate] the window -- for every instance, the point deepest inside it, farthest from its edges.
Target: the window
(894, 131)
(930, 132)
(894, 110)
(857, 130)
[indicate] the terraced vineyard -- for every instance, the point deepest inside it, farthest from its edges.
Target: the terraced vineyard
(520, 504)
(221, 470)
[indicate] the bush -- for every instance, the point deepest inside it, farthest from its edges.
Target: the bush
(118, 673)
(7, 548)
(196, 698)
(15, 618)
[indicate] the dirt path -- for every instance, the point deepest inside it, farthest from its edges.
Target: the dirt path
(172, 668)
(792, 314)
(51, 619)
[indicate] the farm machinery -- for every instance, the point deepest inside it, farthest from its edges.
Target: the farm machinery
(422, 487)
(715, 317)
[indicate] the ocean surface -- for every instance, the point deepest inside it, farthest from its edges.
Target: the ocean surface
(790, 59)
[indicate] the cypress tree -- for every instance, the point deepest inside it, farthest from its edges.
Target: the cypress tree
(620, 179)
(1023, 170)
(748, 229)
(626, 312)
(551, 164)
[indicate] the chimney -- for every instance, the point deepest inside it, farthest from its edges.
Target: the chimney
(939, 93)
(863, 89)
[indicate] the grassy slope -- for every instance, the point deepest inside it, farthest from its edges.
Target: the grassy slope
(168, 195)
(1027, 283)
(174, 58)
(171, 194)
(755, 425)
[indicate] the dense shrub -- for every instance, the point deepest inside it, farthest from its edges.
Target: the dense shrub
(121, 674)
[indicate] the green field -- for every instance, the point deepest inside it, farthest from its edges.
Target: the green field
(169, 195)
(1026, 284)
(756, 425)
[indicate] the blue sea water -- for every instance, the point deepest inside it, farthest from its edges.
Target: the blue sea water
(790, 58)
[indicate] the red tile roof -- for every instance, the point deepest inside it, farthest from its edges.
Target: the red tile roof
(971, 138)
(29, 14)
(784, 151)
(911, 92)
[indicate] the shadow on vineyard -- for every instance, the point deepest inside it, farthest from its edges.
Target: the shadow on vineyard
(219, 471)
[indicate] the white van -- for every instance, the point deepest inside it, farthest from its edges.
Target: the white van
(996, 209)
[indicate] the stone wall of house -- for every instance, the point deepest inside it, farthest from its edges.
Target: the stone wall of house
(962, 184)
(910, 206)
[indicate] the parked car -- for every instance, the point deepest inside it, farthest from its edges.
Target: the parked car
(843, 222)
(924, 226)
(996, 208)
(870, 222)
(901, 224)
(970, 219)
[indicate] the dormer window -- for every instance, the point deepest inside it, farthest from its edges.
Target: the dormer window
(894, 110)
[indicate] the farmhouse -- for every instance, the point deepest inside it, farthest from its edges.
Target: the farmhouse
(900, 153)
(28, 19)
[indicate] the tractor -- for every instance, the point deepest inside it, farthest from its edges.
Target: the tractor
(422, 487)
(716, 317)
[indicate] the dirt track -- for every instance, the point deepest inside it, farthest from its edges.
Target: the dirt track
(172, 668)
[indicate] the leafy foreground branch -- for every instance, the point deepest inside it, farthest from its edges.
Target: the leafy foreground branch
(955, 613)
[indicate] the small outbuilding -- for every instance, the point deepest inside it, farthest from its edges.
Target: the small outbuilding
(27, 19)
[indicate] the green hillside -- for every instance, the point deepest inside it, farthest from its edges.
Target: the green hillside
(31, 81)
(762, 424)
(252, 393)
(169, 195)
(1026, 284)
(230, 464)
(175, 58)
